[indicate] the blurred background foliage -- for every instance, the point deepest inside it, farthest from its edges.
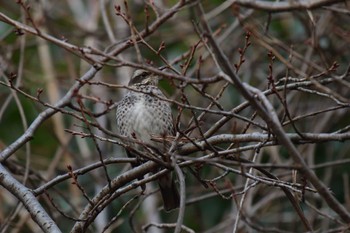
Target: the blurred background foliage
(304, 43)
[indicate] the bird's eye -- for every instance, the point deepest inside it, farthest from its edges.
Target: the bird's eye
(144, 75)
(140, 78)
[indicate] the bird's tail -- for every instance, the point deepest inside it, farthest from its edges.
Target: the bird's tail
(169, 192)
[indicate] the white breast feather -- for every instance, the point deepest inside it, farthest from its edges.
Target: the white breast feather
(141, 114)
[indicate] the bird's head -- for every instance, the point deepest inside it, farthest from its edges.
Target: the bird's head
(144, 77)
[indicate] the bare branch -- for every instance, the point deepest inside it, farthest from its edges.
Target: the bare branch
(29, 201)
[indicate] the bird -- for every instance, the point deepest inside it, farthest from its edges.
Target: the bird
(142, 114)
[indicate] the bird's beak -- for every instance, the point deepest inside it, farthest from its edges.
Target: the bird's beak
(155, 78)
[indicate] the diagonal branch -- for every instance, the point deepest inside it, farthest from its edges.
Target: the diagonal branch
(28, 135)
(280, 6)
(266, 111)
(37, 212)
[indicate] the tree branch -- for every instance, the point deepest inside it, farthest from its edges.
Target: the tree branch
(22, 193)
